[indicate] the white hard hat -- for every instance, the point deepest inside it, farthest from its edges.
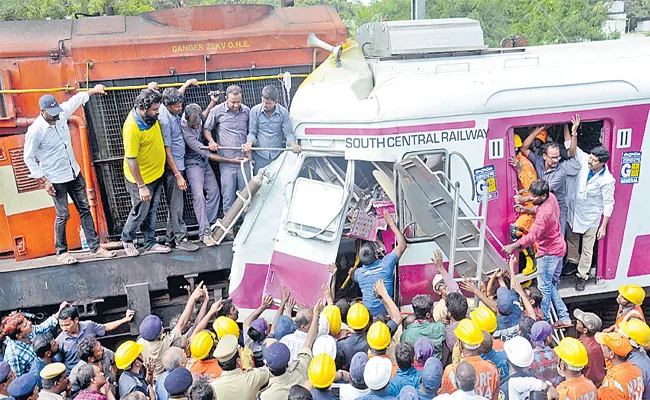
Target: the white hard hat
(436, 281)
(324, 344)
(377, 372)
(323, 325)
(519, 351)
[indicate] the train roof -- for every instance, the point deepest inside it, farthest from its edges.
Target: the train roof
(373, 89)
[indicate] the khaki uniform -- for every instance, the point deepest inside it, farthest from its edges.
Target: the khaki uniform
(279, 386)
(155, 350)
(237, 384)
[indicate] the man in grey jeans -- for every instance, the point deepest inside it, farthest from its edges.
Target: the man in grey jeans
(48, 140)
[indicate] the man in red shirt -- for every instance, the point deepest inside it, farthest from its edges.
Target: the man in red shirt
(550, 249)
(587, 324)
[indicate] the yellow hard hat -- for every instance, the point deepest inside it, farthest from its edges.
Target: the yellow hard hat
(469, 333)
(636, 330)
(572, 352)
(517, 141)
(633, 293)
(379, 336)
(358, 316)
(201, 344)
(322, 371)
(126, 354)
(225, 326)
(333, 314)
(484, 318)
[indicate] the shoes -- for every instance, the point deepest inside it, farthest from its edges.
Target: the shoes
(570, 269)
(158, 248)
(208, 241)
(103, 253)
(186, 245)
(580, 284)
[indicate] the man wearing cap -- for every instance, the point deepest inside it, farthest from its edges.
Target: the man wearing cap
(545, 361)
(587, 325)
(430, 379)
(6, 377)
(277, 356)
(73, 331)
(93, 384)
(624, 380)
(639, 334)
(442, 284)
(55, 382)
(152, 335)
(23, 388)
(233, 382)
(377, 376)
(550, 249)
(471, 337)
(357, 386)
(573, 358)
(49, 155)
(178, 383)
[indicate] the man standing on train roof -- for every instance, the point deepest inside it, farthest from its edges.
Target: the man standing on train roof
(50, 158)
(231, 120)
(269, 126)
(550, 169)
(144, 166)
(174, 178)
(373, 269)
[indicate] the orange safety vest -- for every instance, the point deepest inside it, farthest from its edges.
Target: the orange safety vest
(636, 312)
(579, 388)
(622, 382)
(487, 378)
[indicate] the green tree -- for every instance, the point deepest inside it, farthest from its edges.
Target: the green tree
(637, 10)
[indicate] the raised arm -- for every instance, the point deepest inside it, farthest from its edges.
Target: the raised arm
(267, 302)
(469, 287)
(525, 146)
(400, 245)
(575, 123)
(203, 323)
(283, 302)
(451, 284)
(188, 83)
(128, 317)
(214, 100)
(313, 328)
(202, 311)
(516, 285)
(391, 307)
(189, 307)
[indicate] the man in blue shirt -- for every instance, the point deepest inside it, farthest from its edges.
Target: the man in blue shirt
(373, 269)
(73, 331)
(269, 127)
(45, 347)
(498, 358)
(175, 184)
(406, 375)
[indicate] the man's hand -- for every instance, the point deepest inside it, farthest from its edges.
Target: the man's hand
(98, 89)
(575, 123)
(213, 146)
(285, 294)
(128, 317)
(468, 286)
(291, 303)
(237, 160)
(332, 268)
(267, 302)
(197, 293)
(153, 85)
(327, 292)
(49, 188)
(602, 232)
(151, 366)
(509, 249)
(437, 261)
(145, 194)
(512, 263)
(62, 306)
(380, 289)
(180, 182)
(295, 147)
(516, 164)
(214, 96)
(389, 218)
(318, 308)
(215, 307)
(191, 82)
(246, 147)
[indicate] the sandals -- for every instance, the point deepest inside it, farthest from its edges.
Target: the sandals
(159, 248)
(66, 259)
(103, 253)
(130, 250)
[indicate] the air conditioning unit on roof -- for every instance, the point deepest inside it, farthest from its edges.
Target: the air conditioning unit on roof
(395, 38)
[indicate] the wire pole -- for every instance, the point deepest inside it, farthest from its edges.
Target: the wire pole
(553, 22)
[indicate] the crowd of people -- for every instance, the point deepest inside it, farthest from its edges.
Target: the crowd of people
(167, 144)
(495, 345)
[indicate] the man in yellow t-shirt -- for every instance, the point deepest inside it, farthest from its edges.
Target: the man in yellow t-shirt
(144, 165)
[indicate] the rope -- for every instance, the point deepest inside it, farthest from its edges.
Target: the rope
(136, 87)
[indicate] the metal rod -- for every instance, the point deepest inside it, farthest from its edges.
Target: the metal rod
(481, 245)
(454, 230)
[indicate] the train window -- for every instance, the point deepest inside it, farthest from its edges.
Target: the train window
(590, 135)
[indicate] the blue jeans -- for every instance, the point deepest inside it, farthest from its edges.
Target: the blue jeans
(547, 265)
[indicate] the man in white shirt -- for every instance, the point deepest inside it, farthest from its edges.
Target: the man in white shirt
(593, 198)
(50, 158)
